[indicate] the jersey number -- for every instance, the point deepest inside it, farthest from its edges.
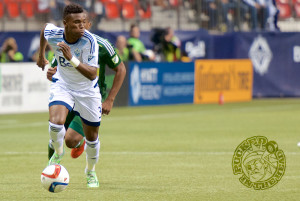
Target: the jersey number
(64, 63)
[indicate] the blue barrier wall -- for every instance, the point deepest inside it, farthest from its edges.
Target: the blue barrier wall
(161, 83)
(275, 56)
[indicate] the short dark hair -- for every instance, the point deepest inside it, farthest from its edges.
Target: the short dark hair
(133, 26)
(72, 8)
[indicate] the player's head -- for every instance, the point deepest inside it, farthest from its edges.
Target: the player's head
(134, 31)
(74, 20)
(121, 42)
(88, 23)
(169, 33)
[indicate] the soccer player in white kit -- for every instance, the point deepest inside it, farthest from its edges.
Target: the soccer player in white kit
(75, 86)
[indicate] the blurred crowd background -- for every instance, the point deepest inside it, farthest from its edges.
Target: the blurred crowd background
(162, 17)
(117, 15)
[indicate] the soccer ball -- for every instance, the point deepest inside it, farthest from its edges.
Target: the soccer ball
(55, 178)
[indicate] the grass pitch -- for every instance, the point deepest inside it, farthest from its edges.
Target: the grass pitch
(180, 152)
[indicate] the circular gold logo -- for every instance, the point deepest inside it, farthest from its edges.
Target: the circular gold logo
(260, 162)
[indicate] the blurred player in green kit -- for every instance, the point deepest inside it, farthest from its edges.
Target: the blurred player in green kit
(74, 137)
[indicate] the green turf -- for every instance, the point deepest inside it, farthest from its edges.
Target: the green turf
(181, 152)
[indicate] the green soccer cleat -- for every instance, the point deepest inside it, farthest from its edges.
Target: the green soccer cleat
(92, 180)
(55, 159)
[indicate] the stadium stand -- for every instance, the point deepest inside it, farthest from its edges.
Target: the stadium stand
(297, 9)
(12, 7)
(283, 1)
(285, 10)
(128, 10)
(28, 8)
(145, 14)
(179, 14)
(112, 10)
(1, 9)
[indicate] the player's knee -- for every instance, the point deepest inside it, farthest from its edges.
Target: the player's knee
(57, 120)
(92, 136)
(71, 143)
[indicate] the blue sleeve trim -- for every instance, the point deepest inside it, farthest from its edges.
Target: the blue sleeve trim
(61, 103)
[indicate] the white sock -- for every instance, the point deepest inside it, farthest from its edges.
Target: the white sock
(92, 154)
(50, 144)
(57, 134)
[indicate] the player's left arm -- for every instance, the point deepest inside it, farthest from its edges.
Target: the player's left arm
(86, 70)
(117, 83)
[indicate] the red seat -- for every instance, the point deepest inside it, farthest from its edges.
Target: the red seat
(1, 9)
(128, 10)
(297, 10)
(136, 2)
(174, 3)
(285, 10)
(106, 1)
(283, 1)
(112, 10)
(145, 14)
(27, 8)
(12, 7)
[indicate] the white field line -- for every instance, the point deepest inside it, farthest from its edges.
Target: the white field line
(142, 153)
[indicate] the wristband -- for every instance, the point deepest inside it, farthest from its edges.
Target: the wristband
(74, 62)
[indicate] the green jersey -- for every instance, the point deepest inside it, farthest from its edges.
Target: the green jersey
(137, 44)
(107, 56)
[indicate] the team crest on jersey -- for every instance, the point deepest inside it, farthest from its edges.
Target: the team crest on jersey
(115, 59)
(77, 52)
(260, 163)
(91, 57)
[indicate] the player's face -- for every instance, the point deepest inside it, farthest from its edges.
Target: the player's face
(135, 32)
(88, 23)
(75, 24)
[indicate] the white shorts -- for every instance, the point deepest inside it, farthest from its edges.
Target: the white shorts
(87, 104)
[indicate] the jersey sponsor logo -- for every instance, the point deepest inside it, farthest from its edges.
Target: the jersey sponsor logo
(260, 55)
(90, 57)
(115, 59)
(260, 163)
(63, 62)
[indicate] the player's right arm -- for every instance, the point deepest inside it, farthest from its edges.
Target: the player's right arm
(42, 61)
(85, 69)
(51, 72)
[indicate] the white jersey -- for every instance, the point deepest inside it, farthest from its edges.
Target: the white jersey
(85, 49)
